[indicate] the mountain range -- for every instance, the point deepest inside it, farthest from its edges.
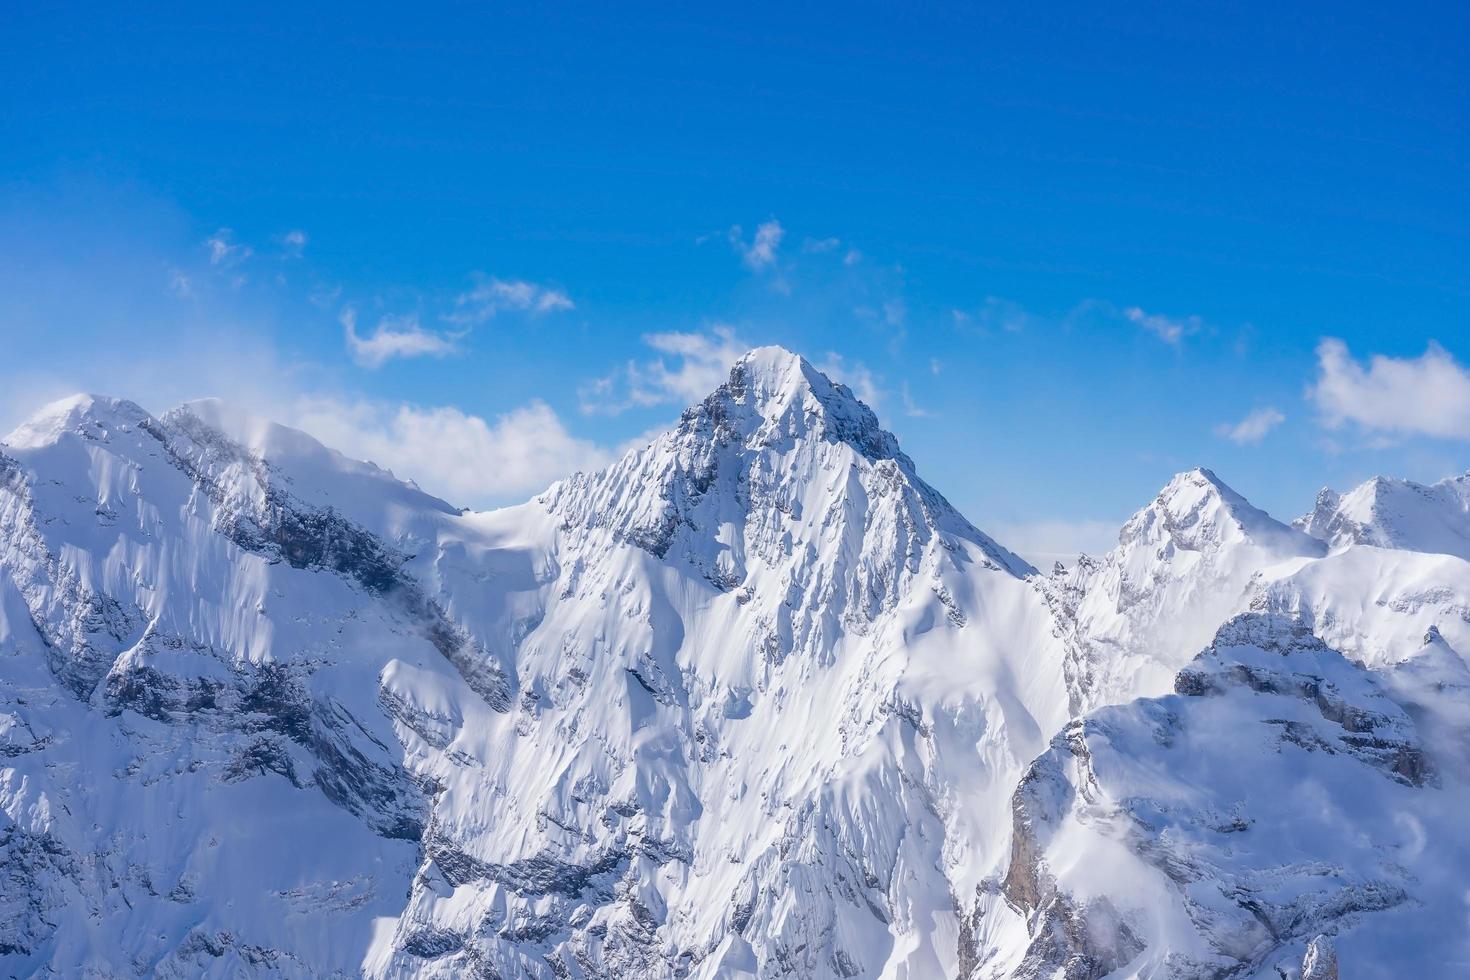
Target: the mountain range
(753, 701)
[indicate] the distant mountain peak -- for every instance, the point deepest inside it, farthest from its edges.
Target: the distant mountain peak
(1196, 510)
(90, 416)
(1388, 512)
(773, 394)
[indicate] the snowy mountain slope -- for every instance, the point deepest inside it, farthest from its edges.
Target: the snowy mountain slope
(178, 715)
(767, 713)
(1184, 564)
(1200, 554)
(1283, 797)
(606, 750)
(1393, 513)
(752, 701)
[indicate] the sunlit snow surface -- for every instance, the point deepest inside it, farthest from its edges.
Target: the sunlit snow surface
(753, 701)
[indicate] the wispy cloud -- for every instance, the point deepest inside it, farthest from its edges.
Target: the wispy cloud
(995, 315)
(224, 251)
(394, 337)
(293, 243)
(690, 366)
(1251, 429)
(998, 315)
(1170, 329)
(760, 252)
(179, 283)
(491, 296)
(911, 408)
(1425, 395)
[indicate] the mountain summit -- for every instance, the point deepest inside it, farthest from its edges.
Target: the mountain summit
(776, 460)
(1393, 513)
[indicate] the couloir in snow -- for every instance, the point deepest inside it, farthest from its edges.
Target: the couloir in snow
(754, 701)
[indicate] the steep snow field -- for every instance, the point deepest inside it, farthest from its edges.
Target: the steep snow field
(753, 701)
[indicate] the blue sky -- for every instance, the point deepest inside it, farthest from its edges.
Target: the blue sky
(1066, 251)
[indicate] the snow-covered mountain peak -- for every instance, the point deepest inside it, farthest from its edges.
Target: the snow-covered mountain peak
(1184, 563)
(127, 430)
(773, 395)
(778, 462)
(1271, 632)
(93, 417)
(1198, 511)
(106, 470)
(279, 454)
(1387, 512)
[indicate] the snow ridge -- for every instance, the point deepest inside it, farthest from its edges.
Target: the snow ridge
(1392, 513)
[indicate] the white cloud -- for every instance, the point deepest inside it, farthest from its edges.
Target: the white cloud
(1044, 542)
(694, 365)
(760, 253)
(224, 251)
(1252, 428)
(470, 460)
(1171, 330)
(462, 457)
(704, 362)
(394, 337)
(856, 376)
(293, 243)
(491, 296)
(1426, 395)
(820, 245)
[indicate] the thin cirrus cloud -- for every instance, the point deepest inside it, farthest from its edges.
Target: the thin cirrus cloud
(394, 337)
(293, 243)
(224, 251)
(911, 408)
(1427, 395)
(996, 315)
(491, 296)
(1171, 330)
(405, 337)
(1251, 429)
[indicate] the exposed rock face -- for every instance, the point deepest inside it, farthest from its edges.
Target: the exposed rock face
(1212, 820)
(1320, 963)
